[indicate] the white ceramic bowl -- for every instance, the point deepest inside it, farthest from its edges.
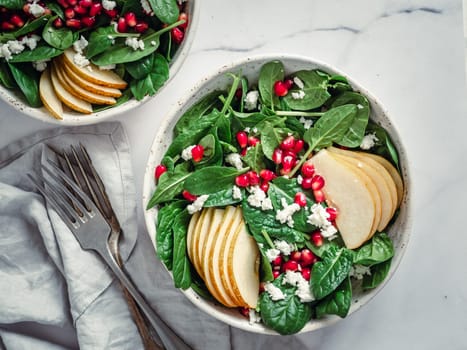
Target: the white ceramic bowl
(15, 99)
(250, 67)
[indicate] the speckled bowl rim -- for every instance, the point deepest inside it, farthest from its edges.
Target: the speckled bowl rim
(12, 98)
(403, 224)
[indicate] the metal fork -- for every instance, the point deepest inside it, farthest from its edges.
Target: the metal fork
(92, 232)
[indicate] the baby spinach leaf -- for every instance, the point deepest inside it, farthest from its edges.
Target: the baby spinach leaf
(338, 302)
(332, 126)
(164, 231)
(6, 78)
(211, 179)
(166, 10)
(286, 316)
(378, 275)
(141, 68)
(223, 128)
(60, 38)
(383, 146)
(213, 153)
(41, 52)
(181, 264)
(379, 249)
(268, 75)
(31, 26)
(329, 272)
(158, 75)
(356, 131)
(222, 198)
(315, 89)
(271, 137)
(12, 4)
(254, 158)
(170, 185)
(265, 268)
(27, 80)
(100, 40)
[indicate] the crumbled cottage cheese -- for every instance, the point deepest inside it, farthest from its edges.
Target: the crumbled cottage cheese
(134, 43)
(298, 95)
(146, 6)
(274, 292)
(272, 254)
(40, 66)
(5, 52)
(197, 205)
(358, 271)
(298, 82)
(303, 287)
(235, 160)
(36, 10)
(258, 199)
(31, 41)
(319, 217)
(80, 44)
(307, 123)
(253, 316)
(186, 153)
(251, 100)
(236, 193)
(15, 46)
(368, 141)
(108, 4)
(284, 247)
(285, 214)
(80, 60)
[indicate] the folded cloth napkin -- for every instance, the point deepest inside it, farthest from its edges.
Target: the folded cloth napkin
(48, 280)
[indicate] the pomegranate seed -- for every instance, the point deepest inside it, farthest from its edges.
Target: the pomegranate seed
(72, 2)
(277, 261)
(253, 141)
(242, 139)
(73, 23)
(264, 186)
(69, 13)
(253, 178)
(242, 180)
(319, 196)
(288, 83)
(267, 174)
(121, 25)
(277, 156)
(332, 213)
(17, 20)
(300, 199)
(244, 311)
(183, 17)
(7, 26)
(58, 23)
(291, 265)
(308, 169)
(298, 146)
(160, 169)
(177, 35)
(188, 196)
(80, 10)
(306, 273)
(288, 143)
(141, 27)
(243, 151)
(306, 183)
(238, 93)
(276, 273)
(95, 9)
(85, 3)
(62, 3)
(307, 257)
(287, 164)
(317, 238)
(295, 256)
(130, 19)
(197, 153)
(317, 182)
(88, 21)
(111, 13)
(280, 88)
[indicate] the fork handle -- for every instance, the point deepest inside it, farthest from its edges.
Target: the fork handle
(169, 338)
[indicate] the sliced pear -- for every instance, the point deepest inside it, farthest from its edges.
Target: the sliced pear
(243, 267)
(85, 84)
(189, 235)
(92, 72)
(347, 191)
(81, 93)
(68, 99)
(194, 242)
(393, 172)
(48, 97)
(374, 171)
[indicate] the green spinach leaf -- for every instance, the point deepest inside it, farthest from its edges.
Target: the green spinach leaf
(338, 302)
(6, 79)
(222, 198)
(166, 10)
(60, 38)
(254, 158)
(27, 80)
(268, 75)
(379, 249)
(170, 185)
(181, 264)
(383, 146)
(271, 137)
(12, 4)
(315, 89)
(149, 85)
(211, 179)
(378, 275)
(41, 52)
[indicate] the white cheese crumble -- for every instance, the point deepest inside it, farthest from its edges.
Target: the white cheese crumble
(251, 100)
(235, 160)
(284, 215)
(298, 95)
(197, 205)
(134, 43)
(299, 179)
(107, 67)
(146, 7)
(41, 65)
(5, 52)
(110, 37)
(298, 82)
(303, 287)
(253, 316)
(186, 153)
(80, 60)
(319, 217)
(256, 197)
(236, 193)
(358, 271)
(368, 141)
(36, 10)
(153, 43)
(108, 4)
(31, 41)
(274, 292)
(266, 204)
(272, 254)
(15, 47)
(284, 247)
(80, 44)
(247, 129)
(307, 123)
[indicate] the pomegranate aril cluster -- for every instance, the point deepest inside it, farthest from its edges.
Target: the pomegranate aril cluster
(178, 33)
(11, 20)
(298, 261)
(287, 153)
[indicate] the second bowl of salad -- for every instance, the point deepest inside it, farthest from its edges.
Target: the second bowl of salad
(278, 195)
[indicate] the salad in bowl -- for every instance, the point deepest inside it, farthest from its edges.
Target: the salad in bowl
(81, 61)
(278, 195)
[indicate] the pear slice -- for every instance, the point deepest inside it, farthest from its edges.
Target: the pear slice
(346, 190)
(243, 267)
(189, 235)
(48, 97)
(394, 174)
(92, 72)
(375, 172)
(85, 84)
(194, 241)
(81, 93)
(200, 237)
(68, 99)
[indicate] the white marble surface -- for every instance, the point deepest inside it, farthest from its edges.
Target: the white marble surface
(410, 54)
